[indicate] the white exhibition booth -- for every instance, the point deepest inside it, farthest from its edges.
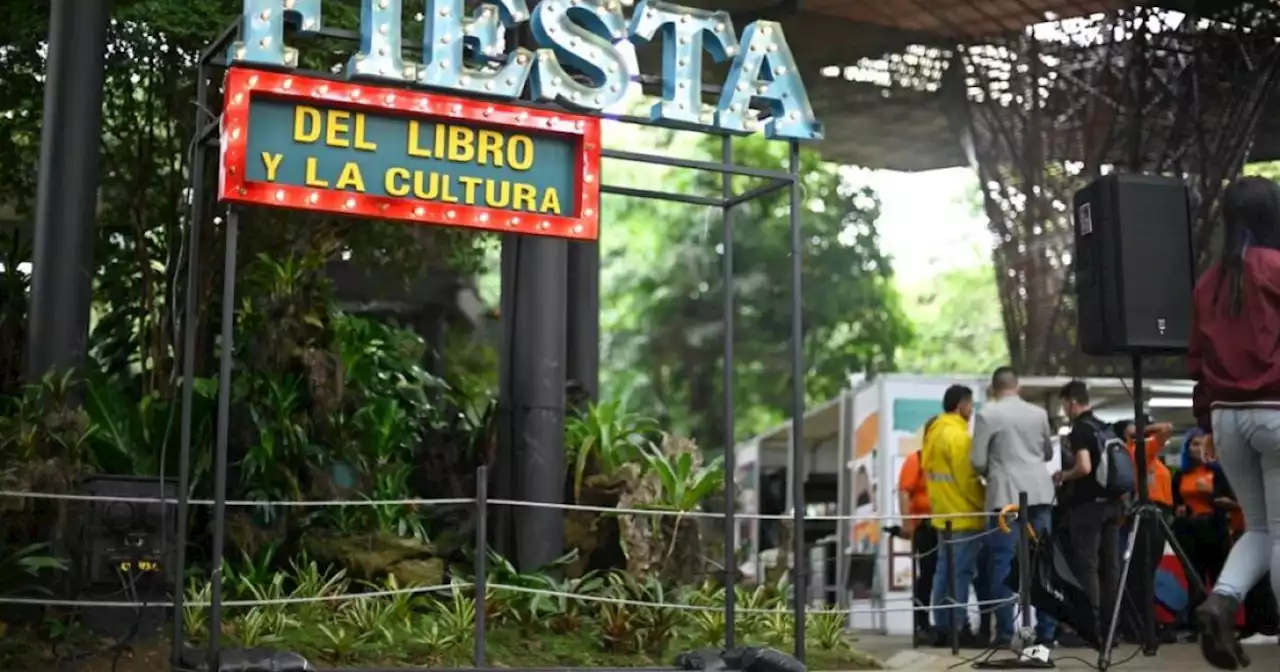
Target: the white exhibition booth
(861, 438)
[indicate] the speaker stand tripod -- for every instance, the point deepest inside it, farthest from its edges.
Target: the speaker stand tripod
(1195, 586)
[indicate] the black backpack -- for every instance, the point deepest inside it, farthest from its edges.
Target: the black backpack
(1114, 471)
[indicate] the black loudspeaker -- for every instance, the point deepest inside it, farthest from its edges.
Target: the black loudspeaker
(129, 540)
(1134, 266)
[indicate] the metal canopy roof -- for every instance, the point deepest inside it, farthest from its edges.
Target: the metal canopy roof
(876, 120)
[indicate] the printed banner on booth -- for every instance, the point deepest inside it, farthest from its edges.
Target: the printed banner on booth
(313, 144)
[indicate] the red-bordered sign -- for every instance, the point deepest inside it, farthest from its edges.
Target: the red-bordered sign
(243, 85)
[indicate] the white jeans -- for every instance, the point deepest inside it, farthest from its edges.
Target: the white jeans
(1248, 446)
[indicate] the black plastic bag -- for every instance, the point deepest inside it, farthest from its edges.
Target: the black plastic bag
(262, 660)
(746, 659)
(1055, 590)
(769, 660)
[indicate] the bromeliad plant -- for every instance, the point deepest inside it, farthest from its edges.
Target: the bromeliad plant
(683, 485)
(607, 434)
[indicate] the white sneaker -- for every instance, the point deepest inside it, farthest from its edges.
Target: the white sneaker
(1259, 640)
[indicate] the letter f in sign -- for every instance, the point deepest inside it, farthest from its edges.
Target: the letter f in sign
(262, 30)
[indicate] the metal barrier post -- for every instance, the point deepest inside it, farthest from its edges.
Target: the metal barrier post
(951, 588)
(482, 559)
(1024, 563)
(915, 577)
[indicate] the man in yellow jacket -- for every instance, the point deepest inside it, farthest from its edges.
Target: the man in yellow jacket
(954, 489)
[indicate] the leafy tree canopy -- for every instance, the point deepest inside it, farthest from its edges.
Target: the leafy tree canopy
(663, 294)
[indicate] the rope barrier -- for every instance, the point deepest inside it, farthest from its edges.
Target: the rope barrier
(14, 494)
(161, 604)
(679, 606)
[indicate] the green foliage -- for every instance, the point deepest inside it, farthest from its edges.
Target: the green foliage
(682, 486)
(21, 567)
(606, 434)
(664, 292)
(958, 324)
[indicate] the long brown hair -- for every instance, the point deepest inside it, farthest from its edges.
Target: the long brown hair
(1250, 218)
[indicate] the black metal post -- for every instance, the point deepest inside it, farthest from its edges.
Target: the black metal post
(505, 459)
(1146, 573)
(949, 550)
(538, 378)
(67, 187)
(1024, 563)
(797, 401)
(730, 456)
(482, 559)
(226, 346)
(915, 576)
(196, 194)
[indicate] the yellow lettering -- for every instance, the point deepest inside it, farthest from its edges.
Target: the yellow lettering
(415, 146)
(312, 180)
(306, 124)
(550, 201)
(396, 182)
(501, 198)
(432, 187)
(271, 162)
(362, 144)
(470, 184)
(446, 194)
(350, 177)
(438, 147)
(489, 150)
(525, 198)
(462, 147)
(337, 129)
(520, 152)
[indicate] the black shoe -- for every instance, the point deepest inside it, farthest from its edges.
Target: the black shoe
(924, 636)
(1215, 620)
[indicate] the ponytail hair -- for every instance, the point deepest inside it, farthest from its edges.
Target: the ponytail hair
(1250, 218)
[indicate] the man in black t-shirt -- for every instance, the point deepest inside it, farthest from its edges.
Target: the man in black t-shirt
(1090, 514)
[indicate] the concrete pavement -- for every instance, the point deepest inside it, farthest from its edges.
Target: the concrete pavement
(897, 654)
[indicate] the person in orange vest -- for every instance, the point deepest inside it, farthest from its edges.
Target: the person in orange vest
(1203, 506)
(1160, 492)
(1159, 478)
(913, 500)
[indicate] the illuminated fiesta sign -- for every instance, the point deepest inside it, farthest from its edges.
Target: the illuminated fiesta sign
(447, 150)
(579, 33)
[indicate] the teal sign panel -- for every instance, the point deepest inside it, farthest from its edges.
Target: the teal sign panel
(403, 157)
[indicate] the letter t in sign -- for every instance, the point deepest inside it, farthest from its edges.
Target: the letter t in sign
(683, 32)
(262, 30)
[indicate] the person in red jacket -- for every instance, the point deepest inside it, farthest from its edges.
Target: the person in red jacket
(1234, 357)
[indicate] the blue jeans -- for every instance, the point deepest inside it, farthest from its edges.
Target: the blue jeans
(964, 549)
(1003, 547)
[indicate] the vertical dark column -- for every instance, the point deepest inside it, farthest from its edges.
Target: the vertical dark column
(584, 317)
(538, 381)
(503, 479)
(67, 194)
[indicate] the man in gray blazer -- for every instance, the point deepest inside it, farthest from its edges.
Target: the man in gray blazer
(1011, 444)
